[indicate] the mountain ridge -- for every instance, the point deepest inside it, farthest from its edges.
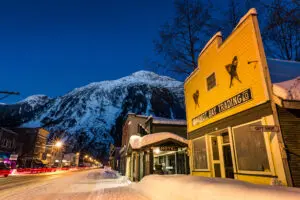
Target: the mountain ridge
(90, 117)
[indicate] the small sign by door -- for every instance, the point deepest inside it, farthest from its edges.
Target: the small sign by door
(13, 157)
(168, 148)
(264, 128)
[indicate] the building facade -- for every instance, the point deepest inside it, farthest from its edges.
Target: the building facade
(34, 146)
(10, 146)
(114, 157)
(232, 119)
(158, 145)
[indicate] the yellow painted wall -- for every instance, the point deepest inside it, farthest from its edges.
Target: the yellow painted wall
(254, 179)
(243, 43)
(205, 174)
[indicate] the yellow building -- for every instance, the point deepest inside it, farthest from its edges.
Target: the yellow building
(232, 119)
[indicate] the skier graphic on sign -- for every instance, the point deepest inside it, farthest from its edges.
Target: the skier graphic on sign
(196, 97)
(231, 69)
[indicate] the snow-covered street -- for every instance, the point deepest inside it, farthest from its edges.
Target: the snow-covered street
(90, 184)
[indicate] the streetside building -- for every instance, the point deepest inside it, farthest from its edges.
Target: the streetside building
(34, 146)
(9, 146)
(238, 127)
(130, 127)
(114, 157)
(159, 146)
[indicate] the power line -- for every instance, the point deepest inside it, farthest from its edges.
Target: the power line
(8, 93)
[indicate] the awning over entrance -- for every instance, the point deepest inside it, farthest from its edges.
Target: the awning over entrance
(137, 142)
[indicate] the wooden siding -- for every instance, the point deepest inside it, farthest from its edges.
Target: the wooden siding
(290, 127)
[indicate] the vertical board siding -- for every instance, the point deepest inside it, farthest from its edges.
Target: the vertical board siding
(290, 127)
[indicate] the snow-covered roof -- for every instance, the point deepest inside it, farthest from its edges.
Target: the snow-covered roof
(161, 120)
(288, 90)
(137, 142)
(283, 70)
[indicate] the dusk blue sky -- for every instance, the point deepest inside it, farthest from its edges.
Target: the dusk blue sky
(52, 47)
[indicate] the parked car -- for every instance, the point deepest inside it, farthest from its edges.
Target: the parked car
(4, 170)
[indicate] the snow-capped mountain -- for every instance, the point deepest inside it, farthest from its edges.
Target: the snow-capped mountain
(91, 117)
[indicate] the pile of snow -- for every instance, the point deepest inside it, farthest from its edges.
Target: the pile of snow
(137, 142)
(288, 90)
(185, 187)
(109, 173)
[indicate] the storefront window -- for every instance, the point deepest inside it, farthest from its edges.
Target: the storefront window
(200, 156)
(250, 148)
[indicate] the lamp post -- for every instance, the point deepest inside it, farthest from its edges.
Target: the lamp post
(57, 145)
(77, 159)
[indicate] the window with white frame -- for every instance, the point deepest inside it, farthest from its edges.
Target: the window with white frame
(200, 154)
(250, 148)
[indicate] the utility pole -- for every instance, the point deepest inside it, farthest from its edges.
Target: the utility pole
(8, 93)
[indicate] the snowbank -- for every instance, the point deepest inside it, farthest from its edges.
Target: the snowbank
(137, 142)
(288, 90)
(185, 187)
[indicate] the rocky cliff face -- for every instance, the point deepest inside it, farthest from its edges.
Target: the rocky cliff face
(90, 118)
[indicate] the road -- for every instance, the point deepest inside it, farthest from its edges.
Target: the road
(76, 185)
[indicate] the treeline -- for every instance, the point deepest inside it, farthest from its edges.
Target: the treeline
(181, 39)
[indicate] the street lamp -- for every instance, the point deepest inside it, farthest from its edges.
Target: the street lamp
(58, 144)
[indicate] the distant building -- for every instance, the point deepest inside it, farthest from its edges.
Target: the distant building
(153, 145)
(114, 157)
(9, 145)
(130, 127)
(33, 142)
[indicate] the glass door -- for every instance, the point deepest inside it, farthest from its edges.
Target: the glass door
(216, 163)
(227, 157)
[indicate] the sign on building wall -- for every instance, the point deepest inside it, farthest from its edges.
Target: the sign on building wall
(230, 77)
(234, 101)
(168, 148)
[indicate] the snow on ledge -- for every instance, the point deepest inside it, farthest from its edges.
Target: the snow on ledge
(252, 11)
(137, 142)
(187, 187)
(218, 34)
(288, 90)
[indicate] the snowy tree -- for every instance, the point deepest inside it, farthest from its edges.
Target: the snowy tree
(282, 31)
(181, 40)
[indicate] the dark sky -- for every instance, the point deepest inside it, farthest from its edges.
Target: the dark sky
(50, 47)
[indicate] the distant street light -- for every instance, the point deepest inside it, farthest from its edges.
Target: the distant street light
(58, 144)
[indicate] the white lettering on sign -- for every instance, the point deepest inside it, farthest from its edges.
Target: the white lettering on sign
(264, 128)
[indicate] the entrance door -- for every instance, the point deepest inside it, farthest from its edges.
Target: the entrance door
(228, 165)
(216, 164)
